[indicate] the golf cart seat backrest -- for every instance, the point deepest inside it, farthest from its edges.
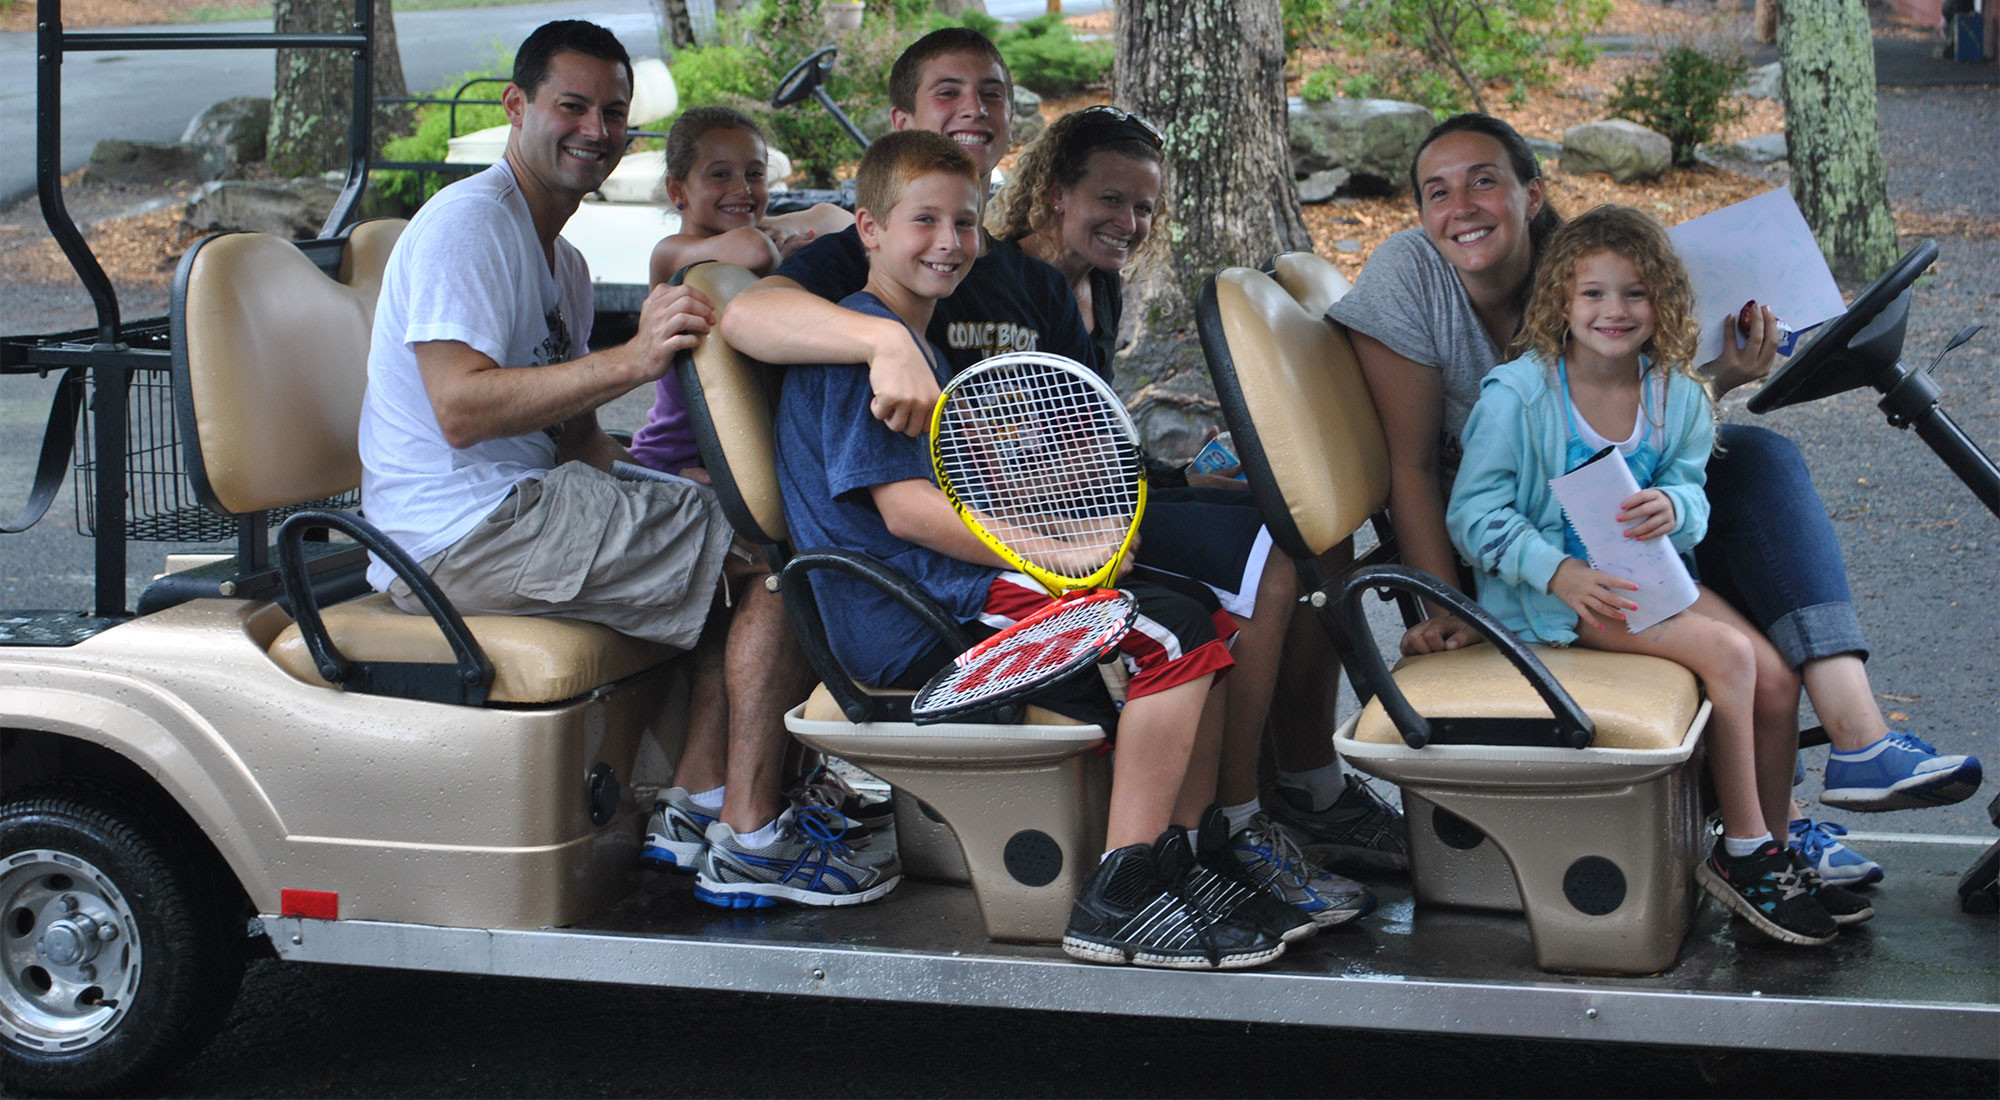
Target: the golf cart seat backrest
(1015, 809)
(1595, 845)
(1311, 279)
(271, 373)
(270, 399)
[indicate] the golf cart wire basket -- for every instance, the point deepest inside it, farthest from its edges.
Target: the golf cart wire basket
(160, 501)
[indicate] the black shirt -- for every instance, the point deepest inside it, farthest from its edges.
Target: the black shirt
(1009, 301)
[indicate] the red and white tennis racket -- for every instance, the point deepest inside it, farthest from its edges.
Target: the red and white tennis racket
(1042, 463)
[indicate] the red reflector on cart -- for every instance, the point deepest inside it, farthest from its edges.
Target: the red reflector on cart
(317, 904)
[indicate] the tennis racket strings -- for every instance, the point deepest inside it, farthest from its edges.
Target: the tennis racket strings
(1040, 454)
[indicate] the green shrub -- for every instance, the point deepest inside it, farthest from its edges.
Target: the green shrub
(1042, 53)
(427, 140)
(709, 75)
(1685, 97)
(1444, 53)
(1046, 55)
(1324, 83)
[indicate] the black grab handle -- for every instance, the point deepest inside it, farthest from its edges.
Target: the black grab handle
(473, 670)
(1572, 728)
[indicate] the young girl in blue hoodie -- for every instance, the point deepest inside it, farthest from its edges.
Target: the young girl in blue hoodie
(1605, 350)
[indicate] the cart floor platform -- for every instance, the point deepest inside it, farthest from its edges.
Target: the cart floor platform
(1921, 979)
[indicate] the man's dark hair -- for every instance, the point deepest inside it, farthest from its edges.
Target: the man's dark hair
(909, 68)
(531, 62)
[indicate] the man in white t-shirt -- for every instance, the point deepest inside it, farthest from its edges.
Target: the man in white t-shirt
(484, 460)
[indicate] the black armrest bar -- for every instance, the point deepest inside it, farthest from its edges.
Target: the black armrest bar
(473, 670)
(858, 705)
(1570, 727)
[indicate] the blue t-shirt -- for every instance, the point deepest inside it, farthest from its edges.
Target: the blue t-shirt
(1009, 301)
(831, 451)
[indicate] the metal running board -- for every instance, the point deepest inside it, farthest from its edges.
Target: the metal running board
(1919, 981)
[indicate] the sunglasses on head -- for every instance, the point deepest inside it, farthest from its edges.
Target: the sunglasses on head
(1125, 123)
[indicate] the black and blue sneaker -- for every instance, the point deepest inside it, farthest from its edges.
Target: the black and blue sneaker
(1768, 890)
(808, 864)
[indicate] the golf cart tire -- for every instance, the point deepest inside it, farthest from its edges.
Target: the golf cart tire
(171, 950)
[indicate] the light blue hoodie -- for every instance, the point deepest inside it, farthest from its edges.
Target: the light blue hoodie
(1504, 518)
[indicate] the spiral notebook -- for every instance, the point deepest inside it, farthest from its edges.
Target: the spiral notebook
(1590, 496)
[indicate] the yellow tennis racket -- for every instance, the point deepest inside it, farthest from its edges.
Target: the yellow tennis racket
(1041, 462)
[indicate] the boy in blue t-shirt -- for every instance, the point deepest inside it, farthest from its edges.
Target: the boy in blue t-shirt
(850, 481)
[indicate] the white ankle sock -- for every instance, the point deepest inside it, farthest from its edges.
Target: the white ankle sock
(708, 800)
(1739, 847)
(1240, 814)
(760, 838)
(1323, 784)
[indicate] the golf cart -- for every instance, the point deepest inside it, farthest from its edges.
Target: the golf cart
(261, 758)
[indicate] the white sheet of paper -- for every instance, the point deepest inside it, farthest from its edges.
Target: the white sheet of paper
(1759, 249)
(1590, 495)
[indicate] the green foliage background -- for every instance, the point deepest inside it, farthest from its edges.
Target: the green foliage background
(1685, 97)
(1444, 53)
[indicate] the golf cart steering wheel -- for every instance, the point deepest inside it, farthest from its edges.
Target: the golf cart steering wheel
(805, 76)
(1854, 347)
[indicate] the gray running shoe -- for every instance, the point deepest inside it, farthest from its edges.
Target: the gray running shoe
(1270, 858)
(1222, 887)
(677, 833)
(809, 864)
(1359, 831)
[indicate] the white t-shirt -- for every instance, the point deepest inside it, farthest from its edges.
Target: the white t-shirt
(468, 268)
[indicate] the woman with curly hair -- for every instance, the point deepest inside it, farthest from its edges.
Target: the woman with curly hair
(1089, 199)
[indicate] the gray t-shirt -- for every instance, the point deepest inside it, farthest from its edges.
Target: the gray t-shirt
(1410, 299)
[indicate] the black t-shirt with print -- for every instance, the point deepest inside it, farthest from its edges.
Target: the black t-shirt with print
(1009, 301)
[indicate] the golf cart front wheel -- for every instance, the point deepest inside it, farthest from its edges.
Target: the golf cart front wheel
(115, 961)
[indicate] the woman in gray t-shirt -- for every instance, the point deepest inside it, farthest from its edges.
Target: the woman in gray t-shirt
(1430, 315)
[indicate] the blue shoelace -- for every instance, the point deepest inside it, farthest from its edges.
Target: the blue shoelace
(1815, 837)
(1909, 741)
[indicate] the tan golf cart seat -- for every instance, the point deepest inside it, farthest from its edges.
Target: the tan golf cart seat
(270, 357)
(1017, 809)
(1600, 843)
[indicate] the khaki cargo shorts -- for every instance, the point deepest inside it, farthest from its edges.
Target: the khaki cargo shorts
(641, 557)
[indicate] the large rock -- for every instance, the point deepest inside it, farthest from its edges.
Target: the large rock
(114, 160)
(234, 129)
(1764, 82)
(1322, 186)
(292, 209)
(1762, 149)
(1373, 139)
(1625, 150)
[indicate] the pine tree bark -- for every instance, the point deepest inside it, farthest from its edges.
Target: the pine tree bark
(1833, 135)
(314, 90)
(1210, 74)
(677, 26)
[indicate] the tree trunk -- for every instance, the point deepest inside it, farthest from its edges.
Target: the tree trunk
(1211, 75)
(314, 91)
(1833, 137)
(676, 26)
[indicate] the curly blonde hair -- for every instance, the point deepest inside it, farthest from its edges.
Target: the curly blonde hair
(1059, 158)
(1636, 236)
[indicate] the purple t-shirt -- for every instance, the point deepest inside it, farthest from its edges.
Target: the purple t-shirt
(667, 440)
